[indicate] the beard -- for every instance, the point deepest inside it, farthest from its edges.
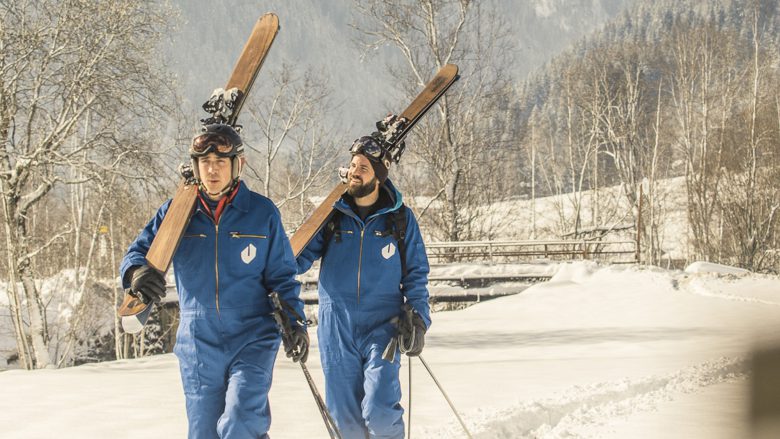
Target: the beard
(362, 190)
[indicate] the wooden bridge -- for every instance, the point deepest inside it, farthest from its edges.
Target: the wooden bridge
(476, 287)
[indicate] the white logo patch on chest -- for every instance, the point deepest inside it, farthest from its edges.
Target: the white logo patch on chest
(388, 251)
(248, 254)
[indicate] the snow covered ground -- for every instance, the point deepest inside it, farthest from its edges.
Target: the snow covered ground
(599, 351)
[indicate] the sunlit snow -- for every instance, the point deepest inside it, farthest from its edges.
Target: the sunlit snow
(598, 351)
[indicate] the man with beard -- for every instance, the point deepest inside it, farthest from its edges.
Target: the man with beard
(373, 266)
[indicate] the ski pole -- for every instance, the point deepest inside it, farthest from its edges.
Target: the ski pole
(330, 424)
(285, 327)
(409, 418)
(430, 372)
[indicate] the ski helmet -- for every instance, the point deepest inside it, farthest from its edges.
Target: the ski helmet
(222, 140)
(218, 138)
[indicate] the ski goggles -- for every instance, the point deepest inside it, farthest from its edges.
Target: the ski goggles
(369, 147)
(210, 142)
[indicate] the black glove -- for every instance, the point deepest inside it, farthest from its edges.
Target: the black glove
(298, 348)
(147, 284)
(412, 332)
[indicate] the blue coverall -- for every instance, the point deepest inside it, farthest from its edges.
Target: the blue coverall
(361, 289)
(227, 339)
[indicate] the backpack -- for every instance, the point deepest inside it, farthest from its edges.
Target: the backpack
(397, 227)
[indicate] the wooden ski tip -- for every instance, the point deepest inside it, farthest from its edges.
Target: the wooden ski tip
(450, 70)
(270, 18)
(131, 306)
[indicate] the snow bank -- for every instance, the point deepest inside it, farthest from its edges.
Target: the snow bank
(710, 267)
(575, 272)
(61, 294)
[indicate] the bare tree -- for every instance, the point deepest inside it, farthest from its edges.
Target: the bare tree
(553, 170)
(654, 196)
(578, 123)
(703, 91)
(309, 166)
(750, 203)
(63, 65)
(463, 141)
(296, 150)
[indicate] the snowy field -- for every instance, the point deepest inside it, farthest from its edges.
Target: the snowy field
(597, 352)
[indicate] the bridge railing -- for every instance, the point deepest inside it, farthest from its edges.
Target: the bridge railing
(516, 251)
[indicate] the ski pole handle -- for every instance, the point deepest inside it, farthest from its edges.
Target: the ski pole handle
(389, 353)
(282, 321)
(392, 345)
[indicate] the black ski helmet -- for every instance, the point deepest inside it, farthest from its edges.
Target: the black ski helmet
(222, 140)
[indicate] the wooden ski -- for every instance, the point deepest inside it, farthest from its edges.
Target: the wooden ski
(436, 87)
(133, 311)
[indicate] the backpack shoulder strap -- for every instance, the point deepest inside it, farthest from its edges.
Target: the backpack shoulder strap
(399, 223)
(332, 229)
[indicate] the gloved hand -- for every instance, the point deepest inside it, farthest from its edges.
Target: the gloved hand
(147, 284)
(298, 348)
(412, 332)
